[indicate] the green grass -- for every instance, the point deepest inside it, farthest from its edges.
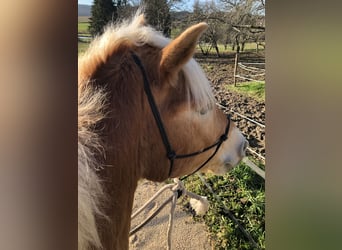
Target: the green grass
(83, 24)
(252, 89)
(175, 32)
(83, 27)
(242, 191)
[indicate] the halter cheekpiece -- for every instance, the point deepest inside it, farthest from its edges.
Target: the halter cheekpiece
(171, 154)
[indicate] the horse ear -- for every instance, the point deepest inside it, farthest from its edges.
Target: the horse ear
(180, 50)
(141, 20)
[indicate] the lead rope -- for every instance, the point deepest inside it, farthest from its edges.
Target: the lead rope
(199, 203)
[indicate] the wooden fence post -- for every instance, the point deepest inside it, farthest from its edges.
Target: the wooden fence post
(236, 63)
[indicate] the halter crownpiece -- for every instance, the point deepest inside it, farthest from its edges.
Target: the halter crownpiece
(170, 153)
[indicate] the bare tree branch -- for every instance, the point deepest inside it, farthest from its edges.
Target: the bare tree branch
(236, 29)
(250, 27)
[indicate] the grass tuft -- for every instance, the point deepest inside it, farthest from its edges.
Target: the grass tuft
(255, 90)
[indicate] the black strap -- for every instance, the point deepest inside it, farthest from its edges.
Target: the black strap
(218, 145)
(170, 153)
(219, 141)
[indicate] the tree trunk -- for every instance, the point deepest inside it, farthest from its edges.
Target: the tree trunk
(257, 47)
(217, 49)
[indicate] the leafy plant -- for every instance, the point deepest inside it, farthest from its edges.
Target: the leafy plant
(242, 192)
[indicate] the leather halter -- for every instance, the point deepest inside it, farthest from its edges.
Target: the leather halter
(171, 154)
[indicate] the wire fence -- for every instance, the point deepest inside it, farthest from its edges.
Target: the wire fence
(249, 163)
(253, 166)
(247, 72)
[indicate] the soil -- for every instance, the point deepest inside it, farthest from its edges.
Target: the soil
(220, 73)
(188, 234)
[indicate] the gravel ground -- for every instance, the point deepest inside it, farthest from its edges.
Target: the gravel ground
(186, 234)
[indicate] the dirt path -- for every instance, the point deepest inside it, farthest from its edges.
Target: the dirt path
(186, 234)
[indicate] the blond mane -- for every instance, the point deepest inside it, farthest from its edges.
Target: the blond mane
(90, 193)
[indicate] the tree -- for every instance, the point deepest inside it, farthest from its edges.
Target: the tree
(102, 12)
(245, 22)
(158, 15)
(126, 9)
(209, 13)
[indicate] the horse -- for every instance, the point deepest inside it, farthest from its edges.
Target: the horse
(145, 110)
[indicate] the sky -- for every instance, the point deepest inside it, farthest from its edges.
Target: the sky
(187, 5)
(87, 2)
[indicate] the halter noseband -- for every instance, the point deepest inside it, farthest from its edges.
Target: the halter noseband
(171, 154)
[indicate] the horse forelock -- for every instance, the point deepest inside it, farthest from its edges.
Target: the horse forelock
(199, 85)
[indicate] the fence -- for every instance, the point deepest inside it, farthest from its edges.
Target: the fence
(250, 72)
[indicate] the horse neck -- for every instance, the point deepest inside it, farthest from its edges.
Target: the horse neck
(120, 177)
(130, 157)
(134, 150)
(120, 189)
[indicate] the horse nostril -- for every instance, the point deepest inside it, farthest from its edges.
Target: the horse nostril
(244, 147)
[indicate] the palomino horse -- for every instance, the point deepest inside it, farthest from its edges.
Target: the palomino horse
(145, 110)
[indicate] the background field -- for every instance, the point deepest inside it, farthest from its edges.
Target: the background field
(83, 24)
(83, 28)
